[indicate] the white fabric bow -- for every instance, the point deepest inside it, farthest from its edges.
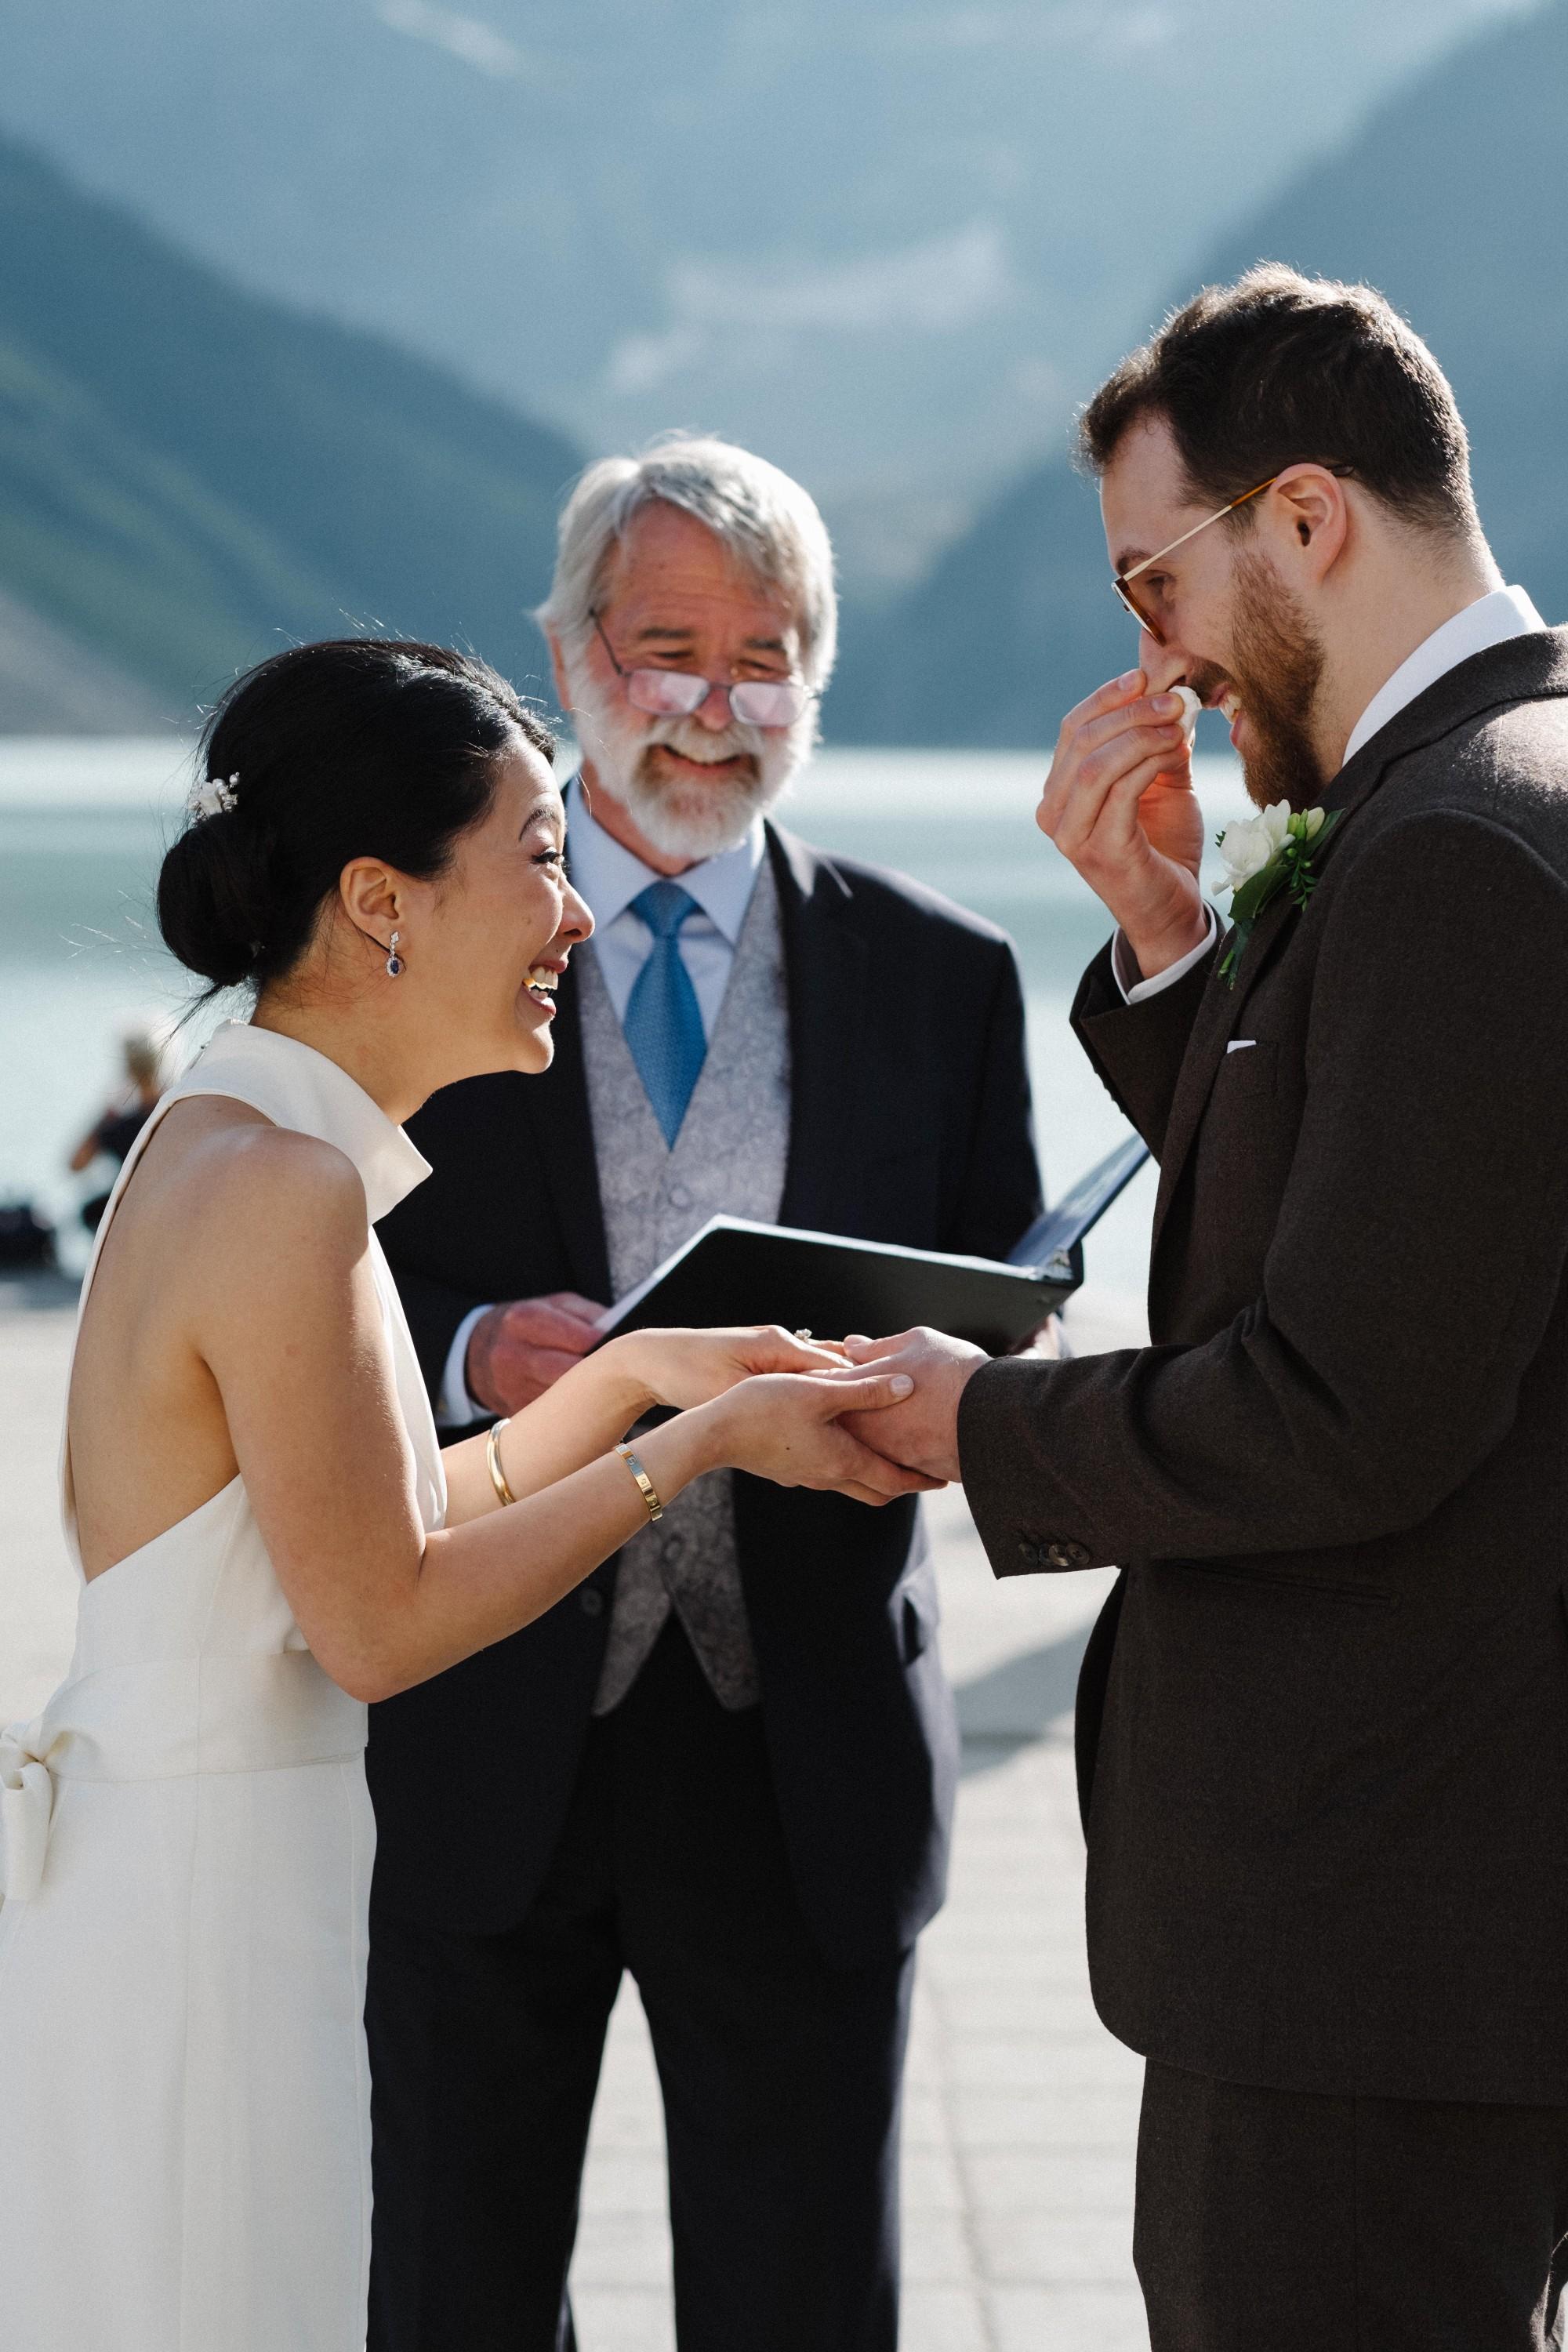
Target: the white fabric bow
(26, 1804)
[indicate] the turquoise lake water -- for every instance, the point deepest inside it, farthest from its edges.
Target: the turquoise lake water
(82, 826)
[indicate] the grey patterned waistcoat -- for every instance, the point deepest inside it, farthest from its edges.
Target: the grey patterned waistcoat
(729, 1158)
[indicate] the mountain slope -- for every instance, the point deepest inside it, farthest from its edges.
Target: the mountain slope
(1454, 200)
(53, 684)
(188, 472)
(885, 244)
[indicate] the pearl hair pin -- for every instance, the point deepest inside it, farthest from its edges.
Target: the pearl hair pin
(213, 797)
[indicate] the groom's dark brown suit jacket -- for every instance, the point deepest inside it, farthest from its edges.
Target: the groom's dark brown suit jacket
(1326, 1715)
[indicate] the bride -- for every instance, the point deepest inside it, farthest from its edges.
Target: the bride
(268, 1533)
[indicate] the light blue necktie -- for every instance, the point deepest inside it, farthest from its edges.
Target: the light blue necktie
(664, 1020)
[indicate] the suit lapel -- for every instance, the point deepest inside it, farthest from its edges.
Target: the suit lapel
(1212, 1032)
(1522, 669)
(827, 962)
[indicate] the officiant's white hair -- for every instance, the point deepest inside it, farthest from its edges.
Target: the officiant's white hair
(770, 524)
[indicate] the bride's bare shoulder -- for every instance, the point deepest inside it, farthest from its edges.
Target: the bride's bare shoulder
(241, 1189)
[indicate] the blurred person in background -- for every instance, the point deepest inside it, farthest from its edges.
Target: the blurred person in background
(112, 1135)
(727, 1763)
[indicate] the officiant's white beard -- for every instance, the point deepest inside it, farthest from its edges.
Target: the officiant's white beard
(679, 816)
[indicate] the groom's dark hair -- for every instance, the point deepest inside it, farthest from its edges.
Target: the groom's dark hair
(1280, 369)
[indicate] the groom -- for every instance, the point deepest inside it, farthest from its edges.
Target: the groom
(1324, 1720)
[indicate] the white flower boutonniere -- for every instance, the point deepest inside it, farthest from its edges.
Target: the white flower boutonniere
(1263, 855)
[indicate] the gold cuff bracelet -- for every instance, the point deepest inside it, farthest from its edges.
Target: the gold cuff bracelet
(492, 1457)
(646, 1487)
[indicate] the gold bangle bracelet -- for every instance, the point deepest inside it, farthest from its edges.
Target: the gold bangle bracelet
(646, 1487)
(492, 1457)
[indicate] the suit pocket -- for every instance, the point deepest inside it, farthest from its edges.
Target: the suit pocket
(1238, 1111)
(1248, 1073)
(1265, 1579)
(1240, 1162)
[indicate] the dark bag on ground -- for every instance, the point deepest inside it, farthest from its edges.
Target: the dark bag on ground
(26, 1239)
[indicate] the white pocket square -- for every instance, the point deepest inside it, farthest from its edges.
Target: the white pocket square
(1240, 1044)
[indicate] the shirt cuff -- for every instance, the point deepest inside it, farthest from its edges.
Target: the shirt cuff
(455, 1408)
(1135, 991)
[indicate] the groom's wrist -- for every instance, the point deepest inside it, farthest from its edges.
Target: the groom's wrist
(1138, 979)
(1148, 955)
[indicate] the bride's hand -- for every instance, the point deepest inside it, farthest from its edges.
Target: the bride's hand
(787, 1428)
(690, 1367)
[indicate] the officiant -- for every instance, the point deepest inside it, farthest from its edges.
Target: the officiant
(727, 1762)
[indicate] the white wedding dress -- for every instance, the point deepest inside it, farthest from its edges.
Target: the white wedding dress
(185, 1846)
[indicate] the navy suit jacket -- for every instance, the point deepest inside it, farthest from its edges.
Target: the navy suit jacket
(910, 1122)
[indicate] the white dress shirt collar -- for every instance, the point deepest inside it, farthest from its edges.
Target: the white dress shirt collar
(1491, 620)
(609, 876)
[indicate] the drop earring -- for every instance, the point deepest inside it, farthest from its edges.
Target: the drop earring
(394, 961)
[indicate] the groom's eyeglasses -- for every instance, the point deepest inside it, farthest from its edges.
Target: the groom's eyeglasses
(1140, 607)
(678, 693)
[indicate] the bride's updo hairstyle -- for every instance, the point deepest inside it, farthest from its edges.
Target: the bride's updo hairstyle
(360, 747)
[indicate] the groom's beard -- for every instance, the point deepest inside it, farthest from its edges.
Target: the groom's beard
(681, 815)
(1277, 666)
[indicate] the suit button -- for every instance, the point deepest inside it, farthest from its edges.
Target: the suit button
(591, 1602)
(680, 1197)
(1030, 1554)
(1064, 1553)
(674, 1548)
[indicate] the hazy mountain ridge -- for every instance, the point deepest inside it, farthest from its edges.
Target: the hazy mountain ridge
(827, 231)
(189, 471)
(1453, 199)
(190, 474)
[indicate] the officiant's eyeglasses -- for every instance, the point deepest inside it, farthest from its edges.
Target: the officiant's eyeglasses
(1123, 580)
(678, 693)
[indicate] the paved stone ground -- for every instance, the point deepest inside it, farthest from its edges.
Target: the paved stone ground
(1021, 2110)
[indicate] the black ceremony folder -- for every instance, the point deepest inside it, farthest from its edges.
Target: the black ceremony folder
(734, 1271)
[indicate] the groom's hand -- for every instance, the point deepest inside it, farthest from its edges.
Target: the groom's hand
(922, 1434)
(1120, 806)
(521, 1349)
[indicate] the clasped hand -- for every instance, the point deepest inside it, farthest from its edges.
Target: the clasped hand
(779, 1406)
(922, 1431)
(918, 1434)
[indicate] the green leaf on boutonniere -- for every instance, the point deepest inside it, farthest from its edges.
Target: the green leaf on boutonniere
(1288, 842)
